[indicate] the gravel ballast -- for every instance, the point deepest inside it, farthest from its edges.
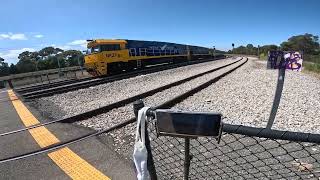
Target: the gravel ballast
(119, 115)
(245, 97)
(123, 138)
(75, 102)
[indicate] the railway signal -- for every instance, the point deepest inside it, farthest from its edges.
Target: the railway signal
(232, 48)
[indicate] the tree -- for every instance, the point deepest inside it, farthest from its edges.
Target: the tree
(4, 69)
(264, 49)
(250, 46)
(71, 57)
(308, 43)
(26, 62)
(13, 69)
(26, 65)
(46, 58)
(49, 51)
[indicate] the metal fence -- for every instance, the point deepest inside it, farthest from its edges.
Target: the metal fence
(239, 155)
(243, 153)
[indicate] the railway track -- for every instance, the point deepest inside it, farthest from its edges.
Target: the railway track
(104, 109)
(39, 92)
(167, 104)
(38, 87)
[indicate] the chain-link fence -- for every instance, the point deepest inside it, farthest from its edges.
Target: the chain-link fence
(243, 153)
(237, 156)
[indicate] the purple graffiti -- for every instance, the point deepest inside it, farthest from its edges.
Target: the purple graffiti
(285, 59)
(293, 61)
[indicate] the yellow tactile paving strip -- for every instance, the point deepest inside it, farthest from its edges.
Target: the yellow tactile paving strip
(73, 165)
(43, 136)
(25, 115)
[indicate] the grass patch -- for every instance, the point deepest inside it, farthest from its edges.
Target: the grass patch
(263, 57)
(314, 67)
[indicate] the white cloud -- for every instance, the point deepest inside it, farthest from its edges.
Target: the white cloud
(63, 47)
(80, 42)
(76, 45)
(38, 36)
(4, 36)
(11, 56)
(11, 36)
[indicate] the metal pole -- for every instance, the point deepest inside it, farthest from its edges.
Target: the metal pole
(258, 52)
(188, 53)
(233, 49)
(80, 64)
(187, 158)
(277, 97)
(214, 51)
(10, 83)
(41, 78)
(59, 66)
(48, 77)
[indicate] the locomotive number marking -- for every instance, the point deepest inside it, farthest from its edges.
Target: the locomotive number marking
(112, 55)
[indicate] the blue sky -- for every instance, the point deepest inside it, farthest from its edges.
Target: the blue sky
(34, 24)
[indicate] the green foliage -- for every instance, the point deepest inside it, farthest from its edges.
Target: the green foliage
(312, 58)
(46, 58)
(263, 56)
(4, 68)
(312, 67)
(13, 69)
(49, 51)
(26, 65)
(307, 43)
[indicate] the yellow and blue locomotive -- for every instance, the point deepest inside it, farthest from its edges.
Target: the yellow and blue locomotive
(107, 56)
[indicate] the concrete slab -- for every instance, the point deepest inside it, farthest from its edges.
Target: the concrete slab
(94, 150)
(12, 145)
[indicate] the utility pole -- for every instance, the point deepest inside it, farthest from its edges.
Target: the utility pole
(258, 52)
(80, 64)
(58, 57)
(59, 66)
(214, 51)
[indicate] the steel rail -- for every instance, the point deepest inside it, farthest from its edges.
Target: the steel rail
(93, 82)
(49, 85)
(104, 109)
(168, 104)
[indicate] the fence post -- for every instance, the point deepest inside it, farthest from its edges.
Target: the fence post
(137, 105)
(48, 77)
(277, 96)
(10, 83)
(187, 158)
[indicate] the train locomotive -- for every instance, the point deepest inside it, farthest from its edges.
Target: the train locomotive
(108, 56)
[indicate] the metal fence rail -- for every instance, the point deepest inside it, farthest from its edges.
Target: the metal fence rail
(243, 153)
(236, 157)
